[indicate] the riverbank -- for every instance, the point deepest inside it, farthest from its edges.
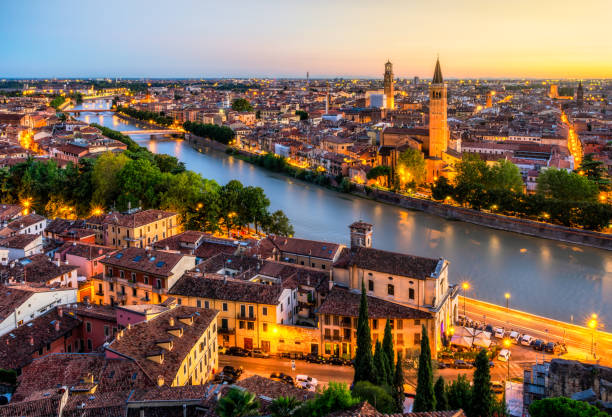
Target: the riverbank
(449, 212)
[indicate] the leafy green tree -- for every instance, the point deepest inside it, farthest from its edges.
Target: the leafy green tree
(569, 186)
(222, 134)
(397, 389)
(442, 189)
(168, 163)
(411, 167)
(105, 177)
(378, 172)
(254, 207)
(425, 399)
(241, 104)
(459, 394)
(381, 365)
(363, 363)
(278, 224)
(238, 403)
(377, 396)
(284, 406)
(229, 203)
(504, 175)
(335, 397)
(441, 397)
(482, 403)
(594, 171)
(303, 115)
(563, 407)
(387, 348)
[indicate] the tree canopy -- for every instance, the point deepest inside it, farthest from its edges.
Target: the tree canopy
(563, 407)
(570, 186)
(241, 104)
(410, 167)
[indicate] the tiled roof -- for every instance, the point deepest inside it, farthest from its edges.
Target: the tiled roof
(343, 302)
(83, 250)
(219, 287)
(98, 404)
(25, 221)
(266, 387)
(20, 241)
(98, 311)
(388, 262)
(69, 369)
(138, 219)
(10, 299)
(140, 340)
(153, 262)
(9, 211)
(37, 269)
(44, 407)
(17, 347)
(302, 247)
(364, 409)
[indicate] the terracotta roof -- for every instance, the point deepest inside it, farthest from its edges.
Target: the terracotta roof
(102, 312)
(302, 247)
(44, 407)
(219, 287)
(62, 225)
(25, 221)
(98, 404)
(20, 241)
(388, 262)
(9, 211)
(10, 299)
(148, 261)
(137, 219)
(36, 269)
(83, 250)
(364, 409)
(17, 347)
(268, 388)
(340, 301)
(140, 340)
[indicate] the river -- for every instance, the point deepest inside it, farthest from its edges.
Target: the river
(555, 279)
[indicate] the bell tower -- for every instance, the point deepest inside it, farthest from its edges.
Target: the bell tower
(438, 127)
(388, 83)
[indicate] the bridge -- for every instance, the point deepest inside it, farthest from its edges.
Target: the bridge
(79, 111)
(150, 132)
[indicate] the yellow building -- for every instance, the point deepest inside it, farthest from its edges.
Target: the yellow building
(388, 86)
(175, 348)
(139, 229)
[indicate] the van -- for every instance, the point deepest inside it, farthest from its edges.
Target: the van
(504, 355)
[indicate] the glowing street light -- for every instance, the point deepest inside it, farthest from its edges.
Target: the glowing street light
(507, 344)
(507, 296)
(593, 326)
(466, 286)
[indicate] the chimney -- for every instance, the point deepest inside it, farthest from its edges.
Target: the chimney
(31, 340)
(57, 325)
(171, 321)
(60, 311)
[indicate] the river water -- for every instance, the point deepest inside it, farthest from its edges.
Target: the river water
(555, 279)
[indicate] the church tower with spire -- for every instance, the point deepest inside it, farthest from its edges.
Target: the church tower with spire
(438, 127)
(388, 83)
(580, 95)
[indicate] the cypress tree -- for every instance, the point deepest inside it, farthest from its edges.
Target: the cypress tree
(482, 396)
(398, 384)
(441, 397)
(364, 365)
(380, 365)
(387, 347)
(425, 399)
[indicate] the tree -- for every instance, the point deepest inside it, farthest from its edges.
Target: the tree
(238, 403)
(364, 367)
(303, 115)
(441, 397)
(563, 407)
(381, 365)
(482, 403)
(442, 189)
(459, 394)
(398, 384)
(594, 171)
(387, 348)
(504, 175)
(241, 104)
(277, 223)
(410, 167)
(284, 406)
(425, 399)
(375, 395)
(379, 171)
(335, 397)
(568, 186)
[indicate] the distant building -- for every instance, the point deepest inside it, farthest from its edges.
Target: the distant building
(580, 95)
(388, 87)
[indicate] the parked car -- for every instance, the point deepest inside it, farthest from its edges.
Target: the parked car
(461, 364)
(258, 353)
(222, 378)
(489, 328)
(554, 348)
(306, 382)
(230, 370)
(497, 387)
(503, 355)
(222, 350)
(441, 365)
(527, 340)
(237, 351)
(336, 360)
(539, 344)
(499, 332)
(281, 377)
(515, 336)
(315, 358)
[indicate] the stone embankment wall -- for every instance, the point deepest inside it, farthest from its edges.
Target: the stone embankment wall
(200, 143)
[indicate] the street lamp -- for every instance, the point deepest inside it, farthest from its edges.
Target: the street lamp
(465, 286)
(507, 295)
(507, 344)
(593, 325)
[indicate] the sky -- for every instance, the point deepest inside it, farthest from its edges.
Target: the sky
(287, 38)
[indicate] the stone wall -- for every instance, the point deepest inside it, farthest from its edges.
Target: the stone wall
(199, 143)
(569, 377)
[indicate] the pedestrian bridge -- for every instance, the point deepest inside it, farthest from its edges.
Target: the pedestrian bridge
(150, 132)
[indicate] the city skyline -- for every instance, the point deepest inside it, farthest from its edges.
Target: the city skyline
(350, 40)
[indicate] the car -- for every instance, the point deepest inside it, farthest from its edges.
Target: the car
(497, 387)
(237, 351)
(222, 378)
(306, 382)
(281, 377)
(539, 344)
(222, 350)
(461, 364)
(499, 332)
(515, 336)
(230, 370)
(554, 348)
(504, 355)
(312, 358)
(527, 340)
(489, 328)
(258, 353)
(442, 365)
(336, 360)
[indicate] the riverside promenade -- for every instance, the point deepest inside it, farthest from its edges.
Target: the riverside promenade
(580, 339)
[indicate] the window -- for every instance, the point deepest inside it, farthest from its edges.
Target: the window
(374, 324)
(179, 301)
(121, 273)
(390, 289)
(417, 322)
(88, 326)
(417, 338)
(224, 323)
(322, 266)
(370, 285)
(240, 324)
(224, 306)
(199, 304)
(327, 333)
(146, 280)
(411, 293)
(158, 283)
(264, 311)
(133, 277)
(265, 327)
(250, 325)
(111, 286)
(135, 292)
(106, 331)
(327, 319)
(242, 311)
(251, 312)
(336, 320)
(400, 338)
(206, 304)
(89, 345)
(400, 324)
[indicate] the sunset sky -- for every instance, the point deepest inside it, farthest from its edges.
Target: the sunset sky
(344, 38)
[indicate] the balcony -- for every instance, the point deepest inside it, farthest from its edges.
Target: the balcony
(246, 317)
(148, 287)
(100, 293)
(224, 330)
